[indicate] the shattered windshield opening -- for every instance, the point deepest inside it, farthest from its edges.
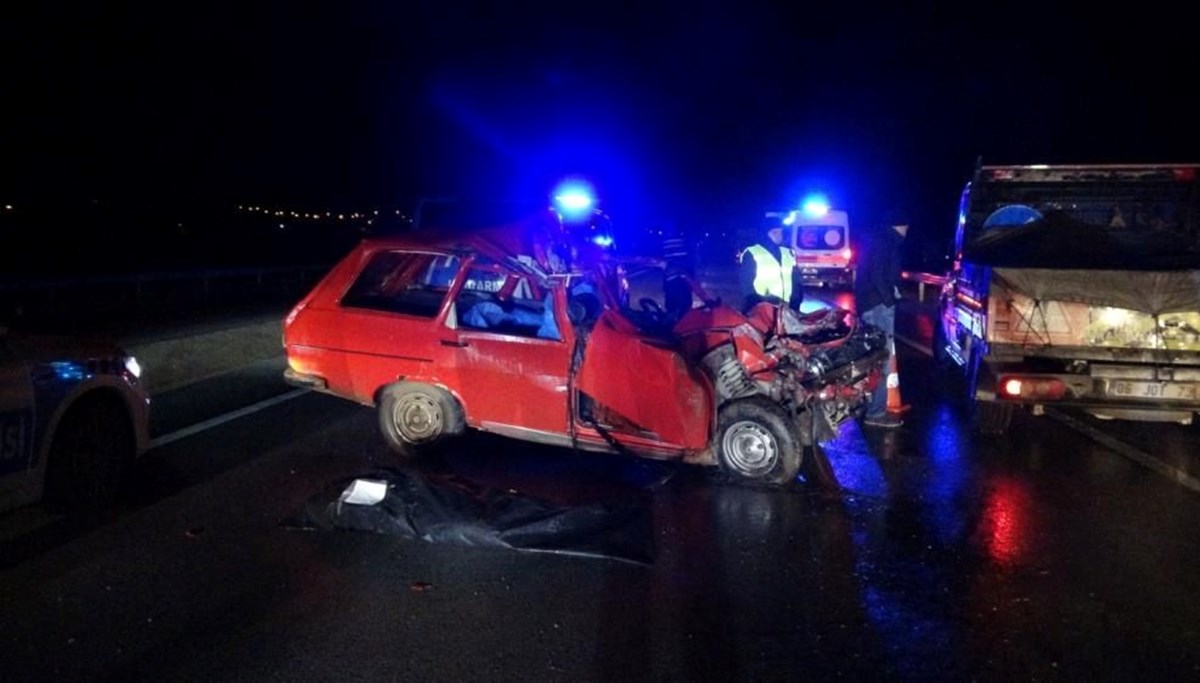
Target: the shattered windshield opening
(1118, 224)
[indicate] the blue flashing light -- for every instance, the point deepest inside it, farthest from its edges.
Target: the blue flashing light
(67, 371)
(574, 198)
(816, 206)
(602, 240)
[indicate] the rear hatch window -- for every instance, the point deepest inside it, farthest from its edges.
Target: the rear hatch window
(403, 282)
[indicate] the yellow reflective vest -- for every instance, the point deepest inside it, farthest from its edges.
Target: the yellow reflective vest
(771, 278)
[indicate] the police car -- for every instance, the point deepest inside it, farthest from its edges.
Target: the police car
(73, 416)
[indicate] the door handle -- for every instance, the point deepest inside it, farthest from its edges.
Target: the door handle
(454, 342)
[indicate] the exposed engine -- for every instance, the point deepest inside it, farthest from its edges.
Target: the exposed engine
(824, 364)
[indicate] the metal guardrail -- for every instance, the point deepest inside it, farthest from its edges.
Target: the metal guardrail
(923, 279)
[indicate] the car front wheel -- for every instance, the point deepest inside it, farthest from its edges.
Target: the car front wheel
(756, 441)
(416, 418)
(90, 456)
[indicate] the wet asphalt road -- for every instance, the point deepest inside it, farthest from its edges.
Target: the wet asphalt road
(944, 555)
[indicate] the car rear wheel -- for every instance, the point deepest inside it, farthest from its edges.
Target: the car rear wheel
(92, 451)
(418, 418)
(756, 440)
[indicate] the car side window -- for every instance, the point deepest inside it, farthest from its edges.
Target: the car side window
(501, 301)
(403, 282)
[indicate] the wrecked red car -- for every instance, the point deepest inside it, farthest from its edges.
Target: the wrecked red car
(447, 332)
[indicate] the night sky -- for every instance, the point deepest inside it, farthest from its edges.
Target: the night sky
(699, 113)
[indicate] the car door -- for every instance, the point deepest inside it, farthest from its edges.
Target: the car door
(639, 390)
(16, 424)
(512, 352)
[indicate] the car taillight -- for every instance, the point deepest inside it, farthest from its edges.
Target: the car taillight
(1035, 388)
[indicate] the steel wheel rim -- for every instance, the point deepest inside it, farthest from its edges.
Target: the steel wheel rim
(417, 417)
(750, 448)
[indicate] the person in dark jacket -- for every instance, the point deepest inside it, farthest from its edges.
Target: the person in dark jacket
(875, 295)
(767, 271)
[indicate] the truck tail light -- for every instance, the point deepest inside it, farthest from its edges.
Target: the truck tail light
(1032, 388)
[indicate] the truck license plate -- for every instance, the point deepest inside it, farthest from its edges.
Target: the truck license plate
(1171, 391)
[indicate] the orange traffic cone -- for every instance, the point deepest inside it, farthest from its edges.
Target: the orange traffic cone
(894, 404)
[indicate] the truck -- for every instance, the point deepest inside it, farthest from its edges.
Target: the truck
(1075, 285)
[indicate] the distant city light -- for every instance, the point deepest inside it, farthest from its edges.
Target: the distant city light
(8, 207)
(364, 215)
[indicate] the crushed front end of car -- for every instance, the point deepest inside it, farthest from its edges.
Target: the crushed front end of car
(819, 368)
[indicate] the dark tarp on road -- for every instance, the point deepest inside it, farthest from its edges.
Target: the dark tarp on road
(448, 509)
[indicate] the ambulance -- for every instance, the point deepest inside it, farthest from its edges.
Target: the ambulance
(820, 240)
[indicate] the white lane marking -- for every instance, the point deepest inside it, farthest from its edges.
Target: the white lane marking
(1176, 474)
(222, 419)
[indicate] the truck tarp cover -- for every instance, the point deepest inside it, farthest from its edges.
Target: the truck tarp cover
(1152, 292)
(447, 509)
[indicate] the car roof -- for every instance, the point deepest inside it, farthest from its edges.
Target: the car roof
(504, 243)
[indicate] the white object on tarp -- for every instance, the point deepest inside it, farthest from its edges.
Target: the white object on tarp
(364, 492)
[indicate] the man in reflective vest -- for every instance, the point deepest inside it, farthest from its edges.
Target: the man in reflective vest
(767, 271)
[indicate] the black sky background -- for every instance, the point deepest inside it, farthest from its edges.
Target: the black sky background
(694, 114)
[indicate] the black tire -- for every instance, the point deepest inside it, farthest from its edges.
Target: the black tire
(991, 417)
(416, 419)
(987, 417)
(756, 440)
(93, 450)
